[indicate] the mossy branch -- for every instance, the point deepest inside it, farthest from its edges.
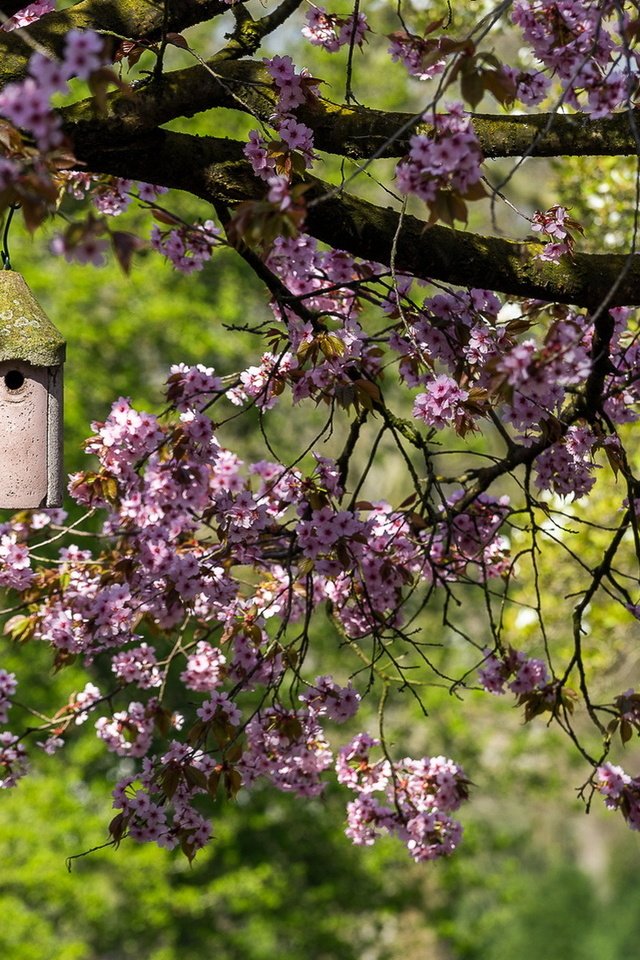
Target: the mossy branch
(352, 131)
(127, 18)
(215, 170)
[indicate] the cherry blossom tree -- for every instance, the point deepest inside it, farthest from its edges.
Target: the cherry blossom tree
(504, 372)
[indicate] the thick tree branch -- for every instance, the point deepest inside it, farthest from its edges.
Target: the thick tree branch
(129, 18)
(363, 133)
(352, 131)
(215, 170)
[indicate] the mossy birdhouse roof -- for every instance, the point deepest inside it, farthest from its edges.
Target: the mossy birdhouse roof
(26, 333)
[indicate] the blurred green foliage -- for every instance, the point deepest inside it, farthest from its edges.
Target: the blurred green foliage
(278, 882)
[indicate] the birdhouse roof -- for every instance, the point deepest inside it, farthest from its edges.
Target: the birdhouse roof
(26, 333)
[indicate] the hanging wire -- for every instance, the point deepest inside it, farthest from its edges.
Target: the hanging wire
(4, 253)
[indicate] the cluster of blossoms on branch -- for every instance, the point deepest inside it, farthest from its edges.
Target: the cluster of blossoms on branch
(278, 160)
(187, 247)
(444, 162)
(29, 14)
(621, 792)
(158, 482)
(584, 45)
(330, 31)
(420, 795)
(555, 224)
(28, 104)
(207, 689)
(528, 673)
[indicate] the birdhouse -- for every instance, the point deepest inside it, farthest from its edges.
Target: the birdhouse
(31, 357)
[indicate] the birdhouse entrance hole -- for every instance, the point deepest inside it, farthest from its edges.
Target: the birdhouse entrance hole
(13, 379)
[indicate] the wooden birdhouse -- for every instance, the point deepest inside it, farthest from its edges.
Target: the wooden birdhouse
(31, 357)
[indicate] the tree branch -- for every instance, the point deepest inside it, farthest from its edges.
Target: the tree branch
(215, 170)
(135, 19)
(250, 33)
(352, 131)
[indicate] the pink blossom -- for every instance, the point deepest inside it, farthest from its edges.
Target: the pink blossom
(441, 403)
(83, 53)
(448, 159)
(8, 686)
(330, 31)
(29, 14)
(204, 668)
(13, 760)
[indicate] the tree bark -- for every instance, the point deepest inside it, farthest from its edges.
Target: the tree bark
(352, 131)
(214, 169)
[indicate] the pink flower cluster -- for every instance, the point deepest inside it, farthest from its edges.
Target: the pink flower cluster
(125, 431)
(448, 329)
(327, 698)
(621, 792)
(530, 86)
(420, 796)
(575, 41)
(137, 665)
(267, 162)
(442, 403)
(257, 153)
(29, 14)
(8, 686)
(295, 136)
(324, 278)
(220, 707)
(28, 104)
(157, 804)
(567, 467)
(30, 176)
(293, 88)
(331, 31)
(192, 388)
(540, 373)
(187, 248)
(204, 671)
(83, 703)
(13, 760)
(15, 564)
(289, 748)
(128, 732)
(448, 159)
(554, 223)
(418, 55)
(325, 527)
(528, 673)
(112, 198)
(470, 537)
(319, 368)
(262, 385)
